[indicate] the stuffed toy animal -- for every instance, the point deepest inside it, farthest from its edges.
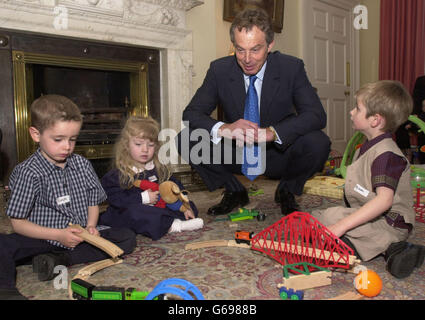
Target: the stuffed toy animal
(170, 194)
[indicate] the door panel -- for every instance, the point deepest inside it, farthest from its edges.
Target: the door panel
(328, 54)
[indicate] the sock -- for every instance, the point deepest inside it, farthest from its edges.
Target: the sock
(186, 225)
(192, 224)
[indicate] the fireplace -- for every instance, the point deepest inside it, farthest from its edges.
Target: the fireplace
(106, 91)
(142, 44)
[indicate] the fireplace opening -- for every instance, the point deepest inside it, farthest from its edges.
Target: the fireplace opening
(28, 60)
(102, 96)
(106, 92)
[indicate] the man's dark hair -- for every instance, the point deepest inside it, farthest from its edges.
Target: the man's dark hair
(249, 18)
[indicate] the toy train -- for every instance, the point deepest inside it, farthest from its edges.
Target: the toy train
(243, 236)
(290, 293)
(83, 290)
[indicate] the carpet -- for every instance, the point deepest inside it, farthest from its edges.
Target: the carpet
(223, 273)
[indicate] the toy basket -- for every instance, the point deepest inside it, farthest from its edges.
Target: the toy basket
(418, 186)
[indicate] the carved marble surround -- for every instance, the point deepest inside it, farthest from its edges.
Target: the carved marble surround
(159, 24)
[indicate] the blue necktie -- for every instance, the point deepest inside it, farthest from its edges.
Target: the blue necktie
(251, 155)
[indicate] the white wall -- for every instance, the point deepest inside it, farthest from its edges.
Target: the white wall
(369, 44)
(211, 35)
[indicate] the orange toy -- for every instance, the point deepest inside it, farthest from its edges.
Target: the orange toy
(368, 283)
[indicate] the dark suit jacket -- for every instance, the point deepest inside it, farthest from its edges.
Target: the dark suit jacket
(288, 101)
(419, 96)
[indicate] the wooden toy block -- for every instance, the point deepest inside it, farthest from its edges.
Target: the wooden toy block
(348, 296)
(302, 281)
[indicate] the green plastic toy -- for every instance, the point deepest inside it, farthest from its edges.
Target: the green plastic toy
(417, 176)
(246, 214)
(347, 158)
(83, 290)
(358, 138)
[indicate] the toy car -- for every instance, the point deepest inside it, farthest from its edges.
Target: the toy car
(246, 214)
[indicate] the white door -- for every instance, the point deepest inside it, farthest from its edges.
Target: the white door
(331, 62)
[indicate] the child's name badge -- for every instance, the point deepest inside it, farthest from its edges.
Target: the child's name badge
(153, 178)
(63, 200)
(359, 189)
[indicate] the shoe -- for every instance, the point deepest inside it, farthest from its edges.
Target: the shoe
(230, 201)
(277, 195)
(287, 201)
(403, 257)
(44, 264)
(11, 294)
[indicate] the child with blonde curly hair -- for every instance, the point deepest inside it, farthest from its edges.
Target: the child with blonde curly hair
(132, 186)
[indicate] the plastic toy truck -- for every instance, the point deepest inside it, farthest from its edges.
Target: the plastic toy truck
(246, 214)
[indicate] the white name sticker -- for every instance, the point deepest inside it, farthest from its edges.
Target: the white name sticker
(63, 200)
(359, 189)
(153, 178)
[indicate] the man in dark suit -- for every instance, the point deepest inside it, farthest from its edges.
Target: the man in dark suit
(289, 128)
(418, 96)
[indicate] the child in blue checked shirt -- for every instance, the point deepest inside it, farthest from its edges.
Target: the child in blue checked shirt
(50, 190)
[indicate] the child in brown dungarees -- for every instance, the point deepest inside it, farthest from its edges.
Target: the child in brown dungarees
(379, 216)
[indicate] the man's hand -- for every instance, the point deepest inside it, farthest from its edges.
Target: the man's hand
(244, 131)
(241, 130)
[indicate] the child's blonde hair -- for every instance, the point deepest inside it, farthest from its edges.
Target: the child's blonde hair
(388, 98)
(145, 128)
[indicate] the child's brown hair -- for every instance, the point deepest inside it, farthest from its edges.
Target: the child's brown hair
(388, 98)
(51, 108)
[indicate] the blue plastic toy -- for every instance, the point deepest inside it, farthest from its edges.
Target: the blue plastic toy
(168, 286)
(291, 294)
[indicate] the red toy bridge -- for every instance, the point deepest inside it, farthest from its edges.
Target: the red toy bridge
(299, 237)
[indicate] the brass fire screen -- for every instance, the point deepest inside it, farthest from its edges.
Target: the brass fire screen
(94, 141)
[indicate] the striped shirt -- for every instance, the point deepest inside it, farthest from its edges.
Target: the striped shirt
(52, 197)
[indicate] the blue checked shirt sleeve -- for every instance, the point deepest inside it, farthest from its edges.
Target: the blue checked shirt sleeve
(95, 192)
(23, 194)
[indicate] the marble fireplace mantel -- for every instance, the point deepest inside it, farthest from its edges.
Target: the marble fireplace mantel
(159, 24)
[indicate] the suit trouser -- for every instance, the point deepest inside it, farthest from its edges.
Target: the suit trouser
(293, 166)
(16, 248)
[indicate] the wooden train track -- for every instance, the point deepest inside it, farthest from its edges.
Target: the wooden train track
(113, 250)
(107, 246)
